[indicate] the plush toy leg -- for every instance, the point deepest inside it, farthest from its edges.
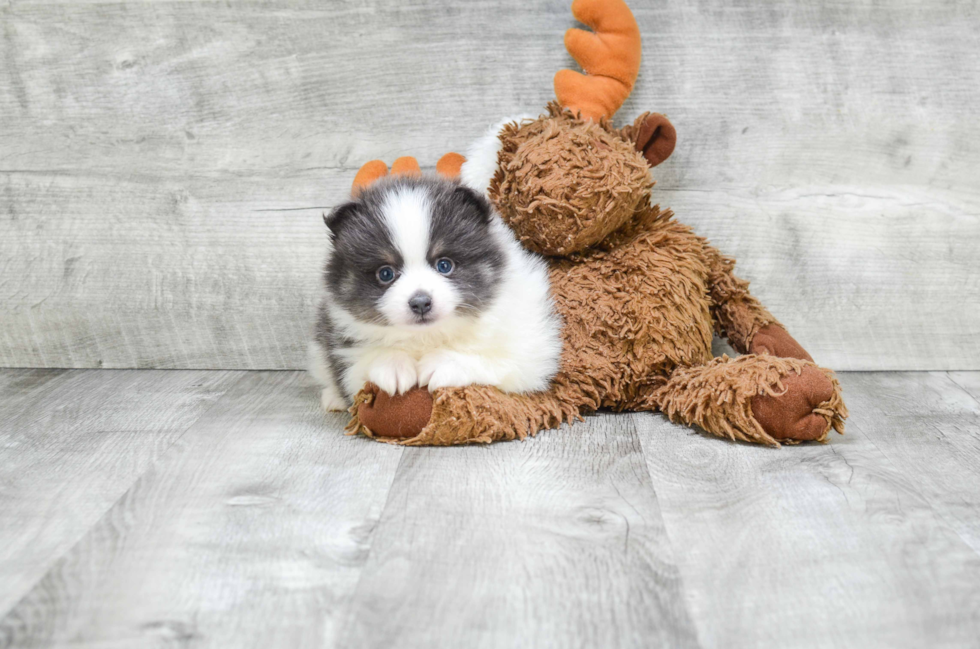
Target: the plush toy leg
(755, 398)
(456, 415)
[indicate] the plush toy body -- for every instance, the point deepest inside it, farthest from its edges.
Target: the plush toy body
(640, 294)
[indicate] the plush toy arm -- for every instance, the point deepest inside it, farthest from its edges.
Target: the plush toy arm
(447, 416)
(740, 317)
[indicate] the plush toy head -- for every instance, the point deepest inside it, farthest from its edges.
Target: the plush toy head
(564, 183)
(568, 179)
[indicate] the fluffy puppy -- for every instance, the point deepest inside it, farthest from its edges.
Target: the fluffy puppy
(425, 285)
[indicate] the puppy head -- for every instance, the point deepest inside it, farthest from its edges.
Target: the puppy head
(413, 252)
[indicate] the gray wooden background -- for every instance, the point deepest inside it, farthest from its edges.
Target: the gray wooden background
(163, 165)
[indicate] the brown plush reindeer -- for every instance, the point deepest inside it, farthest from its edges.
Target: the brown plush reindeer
(639, 293)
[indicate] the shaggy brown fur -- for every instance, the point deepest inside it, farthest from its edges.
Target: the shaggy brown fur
(640, 296)
(563, 184)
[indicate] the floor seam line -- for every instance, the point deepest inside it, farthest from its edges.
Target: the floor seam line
(663, 520)
(957, 384)
(347, 614)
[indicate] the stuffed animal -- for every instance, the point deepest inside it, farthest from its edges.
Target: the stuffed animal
(639, 293)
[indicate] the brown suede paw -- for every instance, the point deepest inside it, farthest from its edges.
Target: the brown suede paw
(790, 415)
(776, 341)
(401, 416)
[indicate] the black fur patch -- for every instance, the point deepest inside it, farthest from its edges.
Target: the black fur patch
(361, 245)
(460, 230)
(330, 340)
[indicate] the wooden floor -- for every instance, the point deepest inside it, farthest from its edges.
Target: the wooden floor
(223, 509)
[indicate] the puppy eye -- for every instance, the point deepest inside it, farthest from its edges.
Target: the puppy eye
(386, 274)
(445, 265)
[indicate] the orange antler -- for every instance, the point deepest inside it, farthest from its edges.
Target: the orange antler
(370, 172)
(610, 55)
(377, 169)
(367, 174)
(450, 164)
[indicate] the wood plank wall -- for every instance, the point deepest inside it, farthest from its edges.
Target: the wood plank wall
(163, 165)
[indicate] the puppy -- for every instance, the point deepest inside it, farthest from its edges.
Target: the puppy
(425, 285)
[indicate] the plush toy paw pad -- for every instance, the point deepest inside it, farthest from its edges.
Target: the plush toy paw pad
(400, 416)
(790, 415)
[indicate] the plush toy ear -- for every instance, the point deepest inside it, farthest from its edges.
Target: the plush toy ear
(654, 136)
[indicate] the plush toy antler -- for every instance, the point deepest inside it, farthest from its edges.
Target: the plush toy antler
(375, 170)
(610, 56)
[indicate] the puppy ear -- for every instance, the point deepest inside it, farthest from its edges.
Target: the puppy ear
(465, 197)
(338, 215)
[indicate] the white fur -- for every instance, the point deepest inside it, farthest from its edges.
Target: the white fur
(481, 156)
(513, 344)
(394, 372)
(407, 215)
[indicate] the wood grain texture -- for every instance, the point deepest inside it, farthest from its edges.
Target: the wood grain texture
(825, 545)
(553, 543)
(831, 147)
(71, 443)
(263, 526)
(969, 381)
(929, 427)
(262, 509)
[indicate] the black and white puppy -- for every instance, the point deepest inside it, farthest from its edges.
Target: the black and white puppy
(425, 285)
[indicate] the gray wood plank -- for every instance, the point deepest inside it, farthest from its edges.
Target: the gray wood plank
(20, 388)
(969, 381)
(832, 147)
(71, 443)
(929, 428)
(557, 542)
(783, 94)
(818, 545)
(162, 274)
(250, 532)
(194, 274)
(855, 276)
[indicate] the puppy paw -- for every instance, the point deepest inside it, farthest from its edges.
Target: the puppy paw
(331, 401)
(394, 373)
(451, 370)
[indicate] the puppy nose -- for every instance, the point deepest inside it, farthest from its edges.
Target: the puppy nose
(420, 303)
